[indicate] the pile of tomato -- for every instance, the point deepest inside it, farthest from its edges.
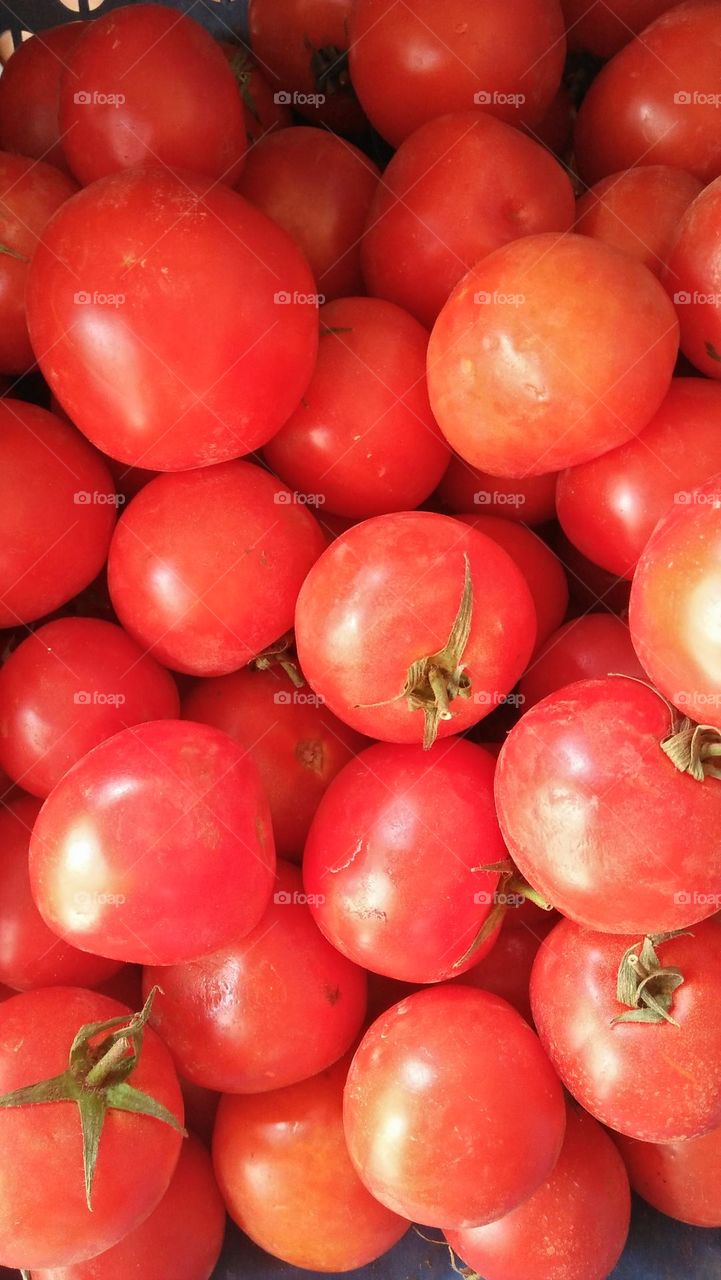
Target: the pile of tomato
(360, 595)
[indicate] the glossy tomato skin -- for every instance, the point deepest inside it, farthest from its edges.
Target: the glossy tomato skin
(145, 267)
(430, 1108)
(70, 685)
(597, 817)
(594, 645)
(205, 567)
(384, 595)
(159, 820)
(392, 861)
(457, 188)
(283, 1168)
(638, 211)
(609, 507)
(30, 92)
(550, 351)
(298, 745)
(176, 103)
(605, 28)
(182, 1237)
(573, 996)
(692, 276)
(681, 1179)
(57, 511)
(319, 189)
(30, 955)
(529, 500)
(42, 1168)
(364, 441)
(569, 1229)
(223, 1037)
(409, 65)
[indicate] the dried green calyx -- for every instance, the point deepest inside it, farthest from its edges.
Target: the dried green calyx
(511, 885)
(644, 984)
(694, 748)
(280, 654)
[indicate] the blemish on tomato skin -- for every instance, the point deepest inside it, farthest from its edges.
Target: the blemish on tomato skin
(332, 995)
(310, 754)
(260, 832)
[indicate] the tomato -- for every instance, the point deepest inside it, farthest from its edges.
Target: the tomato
(364, 441)
(506, 970)
(432, 1108)
(206, 566)
(318, 188)
(176, 325)
(597, 644)
(29, 94)
(145, 85)
(550, 351)
(283, 1169)
(601, 1060)
(159, 820)
(531, 499)
(555, 129)
(261, 109)
(692, 276)
(459, 187)
(569, 1229)
(590, 586)
(57, 511)
(638, 211)
(598, 818)
(182, 1237)
(297, 744)
(657, 101)
(412, 625)
(70, 685)
(411, 64)
(605, 28)
(682, 1179)
(45, 1220)
(393, 865)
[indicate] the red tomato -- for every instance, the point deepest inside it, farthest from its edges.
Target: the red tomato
(692, 276)
(318, 188)
(393, 862)
(531, 499)
(29, 94)
(657, 101)
(605, 28)
(159, 821)
(261, 109)
(459, 187)
(609, 507)
(57, 511)
(363, 441)
(410, 64)
(182, 1237)
(44, 1217)
(590, 586)
(574, 1227)
(555, 129)
(681, 1179)
(506, 970)
(597, 644)
(393, 610)
(206, 566)
(601, 1061)
(145, 85)
(432, 1115)
(567, 344)
(283, 1168)
(70, 685)
(297, 744)
(638, 211)
(141, 272)
(598, 818)
(222, 1036)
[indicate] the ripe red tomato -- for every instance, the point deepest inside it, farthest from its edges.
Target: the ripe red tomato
(145, 85)
(57, 511)
(459, 187)
(363, 441)
(44, 1216)
(598, 818)
(261, 109)
(282, 1165)
(144, 268)
(506, 970)
(568, 346)
(432, 1115)
(638, 211)
(318, 188)
(657, 101)
(692, 276)
(70, 685)
(206, 566)
(297, 744)
(597, 644)
(681, 1179)
(574, 1227)
(393, 865)
(413, 624)
(530, 500)
(411, 64)
(160, 820)
(601, 1061)
(29, 94)
(609, 507)
(605, 28)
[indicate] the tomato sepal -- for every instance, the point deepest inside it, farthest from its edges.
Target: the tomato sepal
(645, 985)
(693, 748)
